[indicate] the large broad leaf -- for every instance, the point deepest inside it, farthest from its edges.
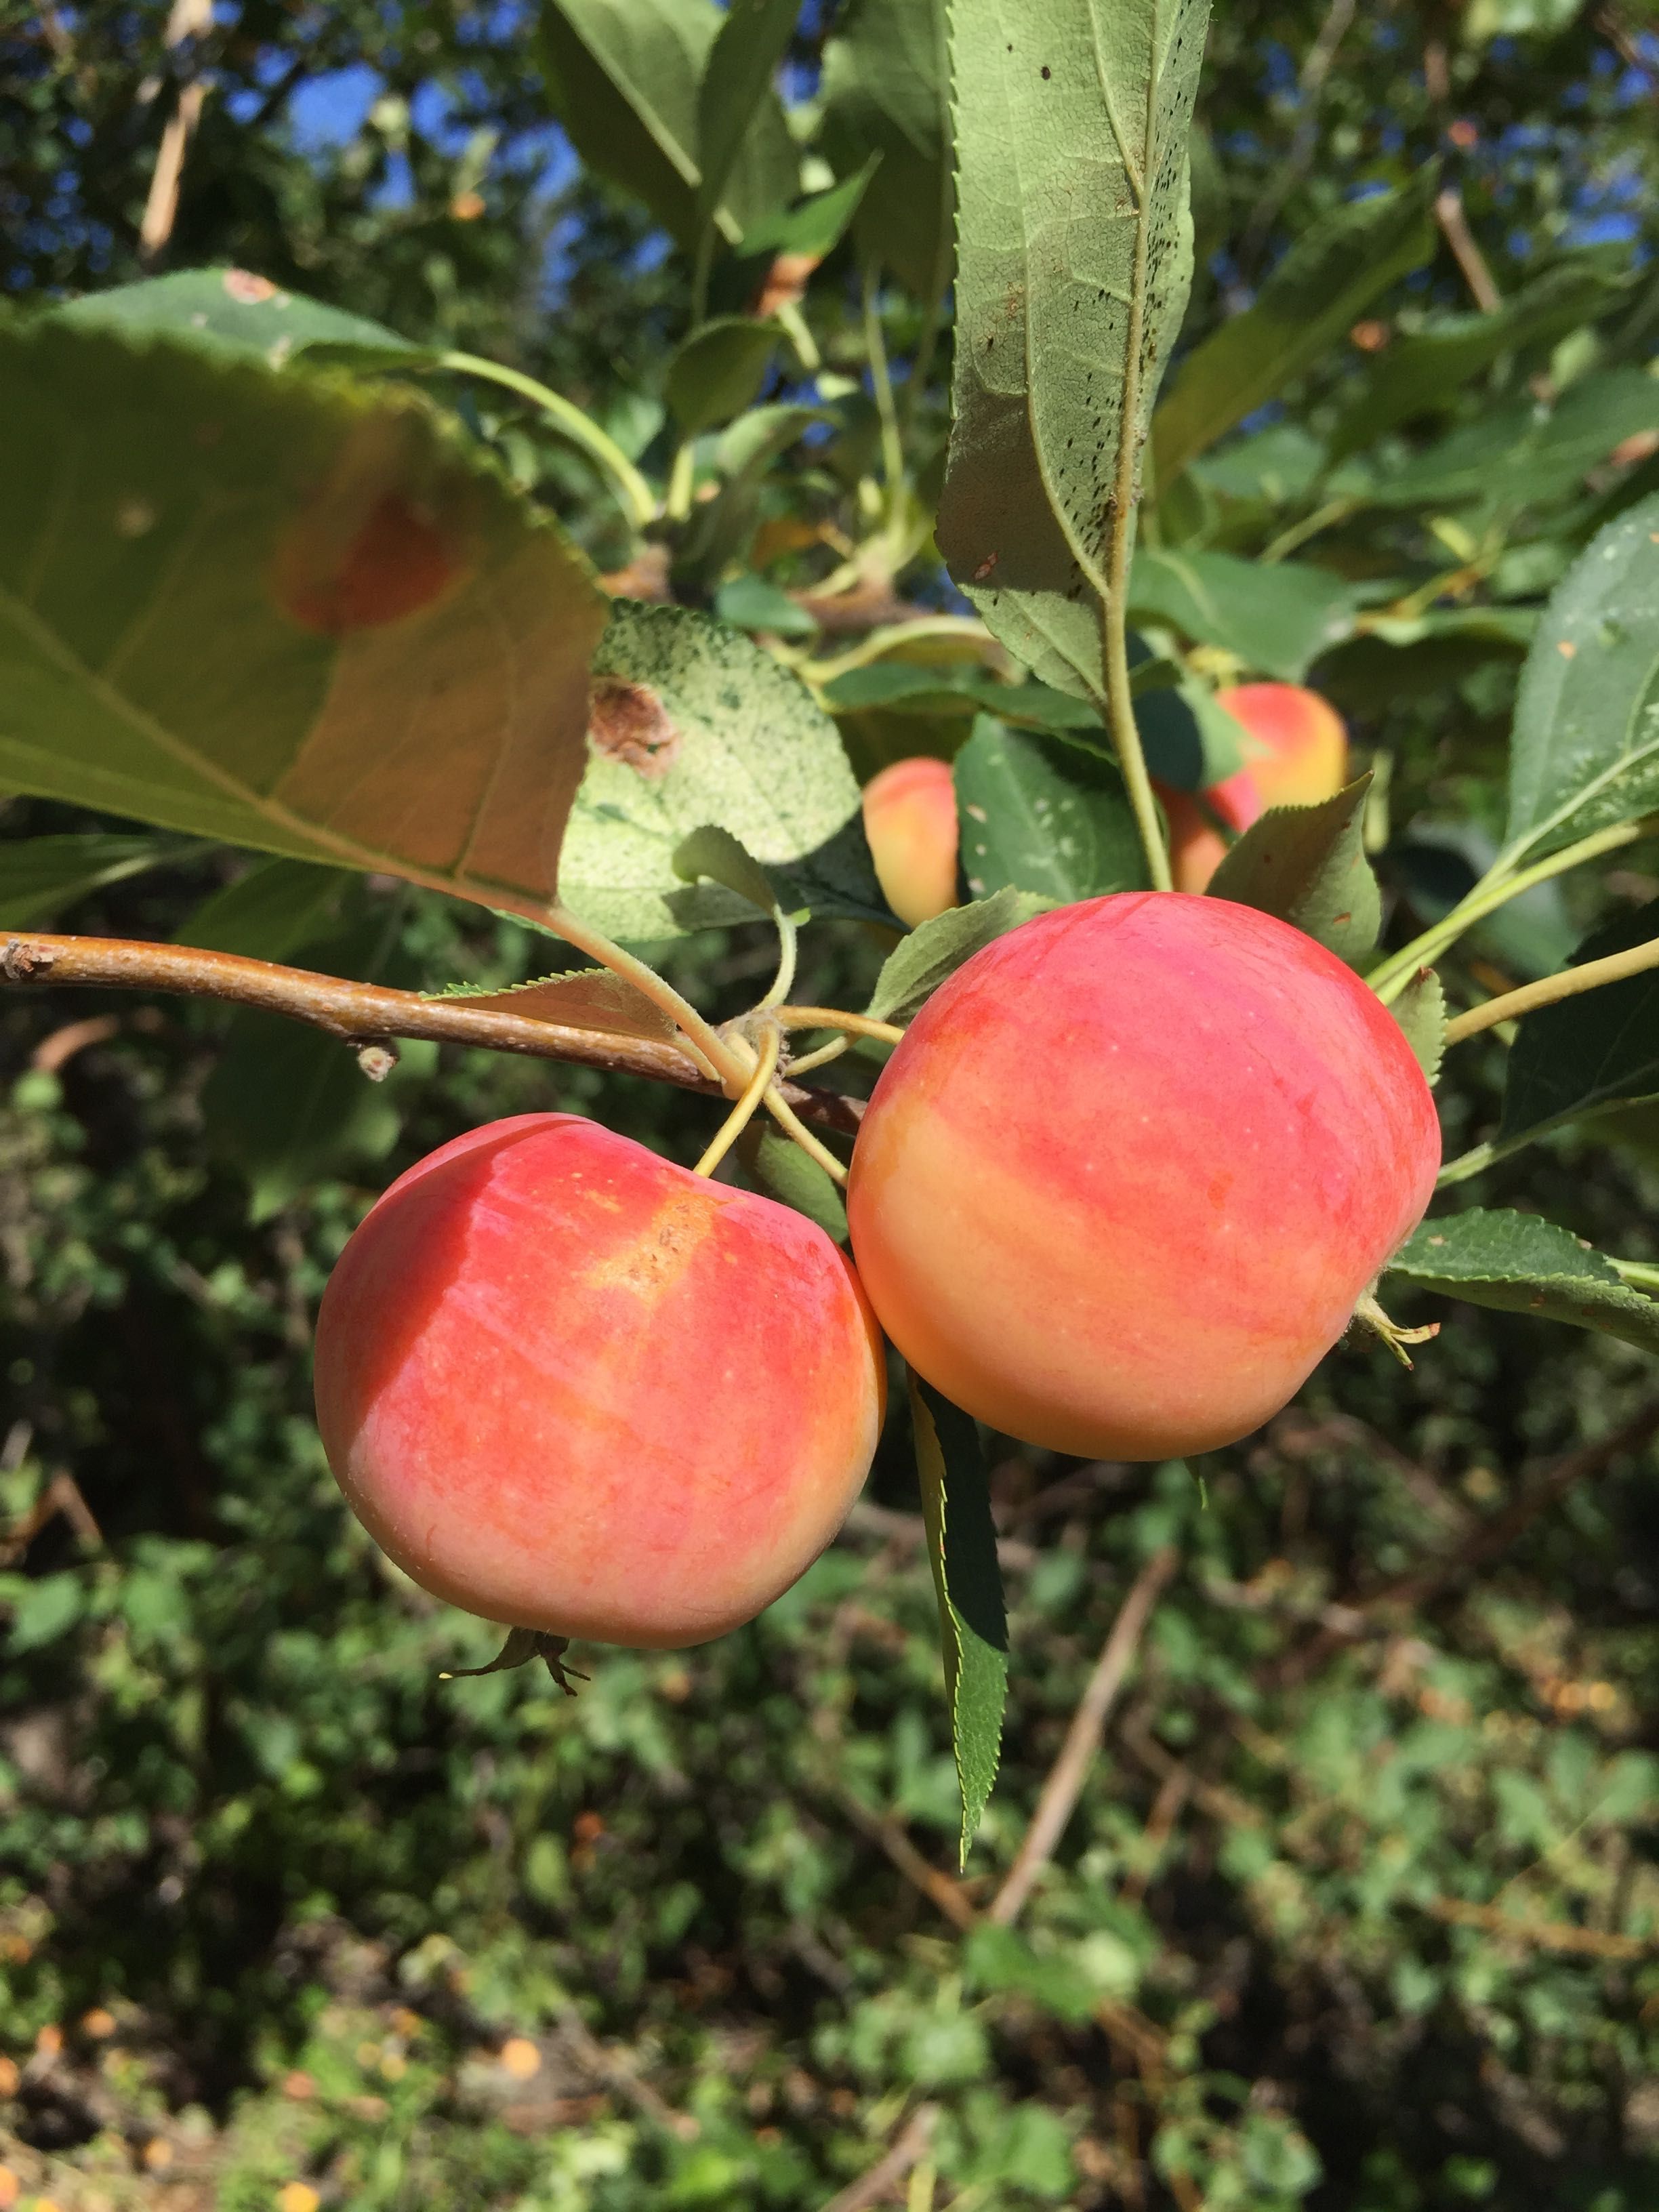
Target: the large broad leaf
(1521, 1263)
(962, 1546)
(1307, 865)
(718, 369)
(1044, 815)
(230, 308)
(280, 611)
(916, 967)
(1523, 454)
(1596, 1051)
(886, 91)
(39, 876)
(1074, 257)
(624, 77)
(1276, 616)
(1424, 372)
(694, 723)
(1327, 280)
(1585, 753)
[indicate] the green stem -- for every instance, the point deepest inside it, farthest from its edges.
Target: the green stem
(875, 341)
(800, 337)
(635, 496)
(1495, 889)
(1334, 510)
(787, 945)
(681, 483)
(744, 1112)
(1114, 609)
(1549, 990)
(1641, 1274)
(722, 1062)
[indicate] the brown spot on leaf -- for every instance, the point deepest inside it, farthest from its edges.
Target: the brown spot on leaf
(396, 561)
(248, 289)
(627, 722)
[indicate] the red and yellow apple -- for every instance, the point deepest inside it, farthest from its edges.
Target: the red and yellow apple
(572, 1387)
(1121, 1185)
(910, 821)
(1296, 753)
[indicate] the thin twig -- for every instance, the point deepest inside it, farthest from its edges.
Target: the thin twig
(1454, 228)
(189, 19)
(362, 1013)
(1549, 989)
(614, 2070)
(1547, 1935)
(1067, 1776)
(891, 2166)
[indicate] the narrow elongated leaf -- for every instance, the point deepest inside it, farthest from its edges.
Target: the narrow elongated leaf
(960, 687)
(1523, 454)
(286, 612)
(1312, 298)
(40, 876)
(1045, 816)
(937, 948)
(1420, 1010)
(736, 79)
(1074, 258)
(816, 226)
(1585, 753)
(1307, 865)
(231, 309)
(268, 913)
(718, 371)
(886, 89)
(1521, 1263)
(1277, 617)
(1599, 1049)
(579, 999)
(962, 1548)
(1427, 370)
(694, 723)
(625, 76)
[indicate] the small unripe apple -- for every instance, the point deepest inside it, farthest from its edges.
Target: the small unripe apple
(1125, 1180)
(910, 820)
(571, 1387)
(1296, 744)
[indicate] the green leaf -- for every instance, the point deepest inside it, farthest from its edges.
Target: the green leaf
(1307, 865)
(44, 1610)
(1585, 753)
(1276, 616)
(227, 309)
(1424, 372)
(1524, 453)
(784, 1172)
(719, 370)
(623, 76)
(937, 948)
(39, 876)
(1420, 1010)
(1598, 1049)
(1440, 864)
(1071, 128)
(577, 998)
(1190, 741)
(1045, 815)
(693, 723)
(268, 912)
(1521, 1263)
(816, 225)
(714, 852)
(886, 88)
(287, 1106)
(736, 80)
(286, 612)
(722, 529)
(958, 686)
(997, 1958)
(751, 602)
(1310, 300)
(962, 1548)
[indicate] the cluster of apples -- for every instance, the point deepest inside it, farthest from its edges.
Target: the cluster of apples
(1117, 1191)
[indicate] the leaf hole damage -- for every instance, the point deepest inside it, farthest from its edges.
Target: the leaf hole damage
(627, 722)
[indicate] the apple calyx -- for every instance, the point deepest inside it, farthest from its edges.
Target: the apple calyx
(1371, 1314)
(522, 1645)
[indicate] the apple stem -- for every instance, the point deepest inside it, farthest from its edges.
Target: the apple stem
(1550, 989)
(788, 1120)
(788, 943)
(744, 1112)
(834, 1018)
(825, 1053)
(1369, 1312)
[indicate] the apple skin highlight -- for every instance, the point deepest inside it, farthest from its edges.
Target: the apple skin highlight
(1120, 1188)
(569, 1385)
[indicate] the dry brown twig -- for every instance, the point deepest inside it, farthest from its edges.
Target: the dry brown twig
(189, 19)
(909, 2148)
